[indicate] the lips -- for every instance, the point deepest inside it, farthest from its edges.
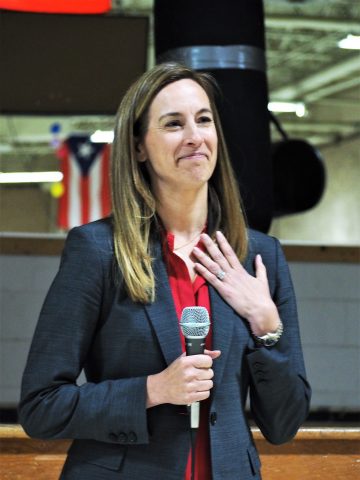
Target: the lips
(194, 155)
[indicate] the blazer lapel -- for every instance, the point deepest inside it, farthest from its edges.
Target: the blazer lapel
(162, 313)
(249, 261)
(223, 318)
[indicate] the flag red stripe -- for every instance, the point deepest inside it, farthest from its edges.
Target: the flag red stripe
(57, 6)
(63, 210)
(85, 199)
(105, 182)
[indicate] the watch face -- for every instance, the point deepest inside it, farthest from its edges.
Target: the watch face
(271, 338)
(269, 342)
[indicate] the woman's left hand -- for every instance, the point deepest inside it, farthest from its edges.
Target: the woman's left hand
(249, 296)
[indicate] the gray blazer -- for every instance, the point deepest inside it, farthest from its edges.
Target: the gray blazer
(88, 322)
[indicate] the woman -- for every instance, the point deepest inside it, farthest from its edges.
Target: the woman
(115, 305)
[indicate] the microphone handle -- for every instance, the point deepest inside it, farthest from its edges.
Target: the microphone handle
(194, 345)
(194, 415)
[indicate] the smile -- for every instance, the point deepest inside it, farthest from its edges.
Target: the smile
(194, 156)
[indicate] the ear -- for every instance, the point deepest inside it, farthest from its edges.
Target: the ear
(141, 154)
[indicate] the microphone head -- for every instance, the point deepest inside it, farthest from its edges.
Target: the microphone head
(195, 322)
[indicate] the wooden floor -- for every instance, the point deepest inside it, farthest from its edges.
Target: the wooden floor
(315, 453)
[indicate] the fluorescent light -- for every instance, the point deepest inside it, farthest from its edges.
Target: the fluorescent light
(31, 177)
(288, 107)
(4, 148)
(352, 42)
(102, 136)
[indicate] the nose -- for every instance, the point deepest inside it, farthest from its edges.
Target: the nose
(192, 135)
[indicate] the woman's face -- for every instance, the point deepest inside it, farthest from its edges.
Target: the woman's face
(180, 145)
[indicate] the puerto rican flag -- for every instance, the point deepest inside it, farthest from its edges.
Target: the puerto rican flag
(86, 184)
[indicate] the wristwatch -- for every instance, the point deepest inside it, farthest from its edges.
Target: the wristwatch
(271, 338)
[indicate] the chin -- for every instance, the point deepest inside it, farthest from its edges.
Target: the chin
(201, 175)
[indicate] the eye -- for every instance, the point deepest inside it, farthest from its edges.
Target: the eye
(205, 119)
(173, 124)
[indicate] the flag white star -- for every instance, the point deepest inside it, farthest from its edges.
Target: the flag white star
(85, 150)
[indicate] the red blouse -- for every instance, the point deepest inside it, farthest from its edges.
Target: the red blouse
(187, 294)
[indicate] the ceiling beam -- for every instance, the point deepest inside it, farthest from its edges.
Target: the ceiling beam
(348, 103)
(317, 80)
(312, 23)
(319, 128)
(332, 89)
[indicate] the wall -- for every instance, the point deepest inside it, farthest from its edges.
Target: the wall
(329, 308)
(329, 314)
(27, 208)
(336, 219)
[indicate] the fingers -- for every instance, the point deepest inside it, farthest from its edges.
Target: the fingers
(200, 361)
(201, 391)
(216, 255)
(213, 353)
(192, 379)
(196, 379)
(197, 397)
(200, 377)
(227, 250)
(208, 275)
(209, 267)
(219, 256)
(260, 269)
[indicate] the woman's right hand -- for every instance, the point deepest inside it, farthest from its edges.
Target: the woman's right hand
(188, 379)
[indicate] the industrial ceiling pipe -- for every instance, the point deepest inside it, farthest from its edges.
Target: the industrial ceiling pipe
(227, 39)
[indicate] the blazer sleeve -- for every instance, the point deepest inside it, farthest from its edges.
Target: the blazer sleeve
(279, 392)
(52, 404)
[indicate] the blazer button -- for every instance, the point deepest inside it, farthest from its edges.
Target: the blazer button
(122, 437)
(132, 437)
(213, 418)
(258, 364)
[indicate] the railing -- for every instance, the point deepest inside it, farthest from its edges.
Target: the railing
(314, 454)
(52, 244)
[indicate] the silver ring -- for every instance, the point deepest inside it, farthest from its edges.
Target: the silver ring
(221, 275)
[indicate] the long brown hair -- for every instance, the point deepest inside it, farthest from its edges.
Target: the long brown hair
(134, 207)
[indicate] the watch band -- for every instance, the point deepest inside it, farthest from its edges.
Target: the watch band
(271, 338)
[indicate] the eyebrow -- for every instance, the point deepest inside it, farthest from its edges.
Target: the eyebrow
(179, 114)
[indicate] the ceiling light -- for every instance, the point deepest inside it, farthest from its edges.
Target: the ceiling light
(288, 107)
(352, 42)
(4, 148)
(102, 136)
(30, 177)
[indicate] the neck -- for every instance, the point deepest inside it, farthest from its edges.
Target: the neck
(183, 213)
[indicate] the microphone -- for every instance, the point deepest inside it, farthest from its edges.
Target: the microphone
(195, 325)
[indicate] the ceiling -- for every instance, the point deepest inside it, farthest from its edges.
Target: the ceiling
(304, 64)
